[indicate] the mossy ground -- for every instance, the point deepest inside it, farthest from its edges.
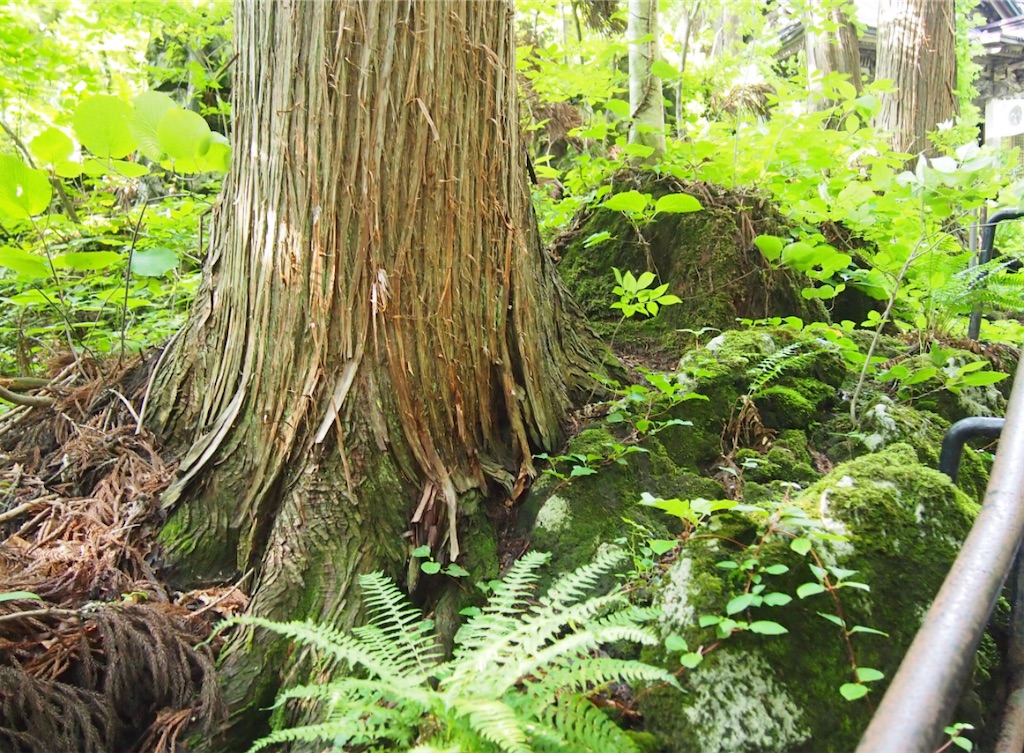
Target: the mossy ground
(874, 484)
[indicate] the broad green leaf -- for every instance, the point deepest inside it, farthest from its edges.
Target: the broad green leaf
(218, 157)
(101, 124)
(767, 627)
(661, 546)
(638, 150)
(618, 107)
(421, 551)
(921, 375)
(770, 246)
(868, 674)
(456, 571)
(24, 192)
(981, 378)
(26, 264)
(86, 261)
(431, 568)
(691, 660)
(645, 280)
(776, 569)
(184, 135)
(853, 691)
(809, 589)
(834, 619)
(154, 262)
(581, 470)
(52, 147)
(150, 108)
(664, 70)
(677, 203)
(776, 599)
(739, 603)
(676, 643)
(962, 742)
(632, 202)
(592, 240)
(800, 545)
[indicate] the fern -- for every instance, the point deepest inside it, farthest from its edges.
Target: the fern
(518, 681)
(788, 358)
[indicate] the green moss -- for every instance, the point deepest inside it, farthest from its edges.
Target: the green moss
(899, 517)
(707, 259)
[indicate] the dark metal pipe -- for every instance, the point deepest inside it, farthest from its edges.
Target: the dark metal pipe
(928, 684)
(958, 434)
(988, 239)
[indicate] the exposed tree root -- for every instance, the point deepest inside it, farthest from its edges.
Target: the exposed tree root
(105, 660)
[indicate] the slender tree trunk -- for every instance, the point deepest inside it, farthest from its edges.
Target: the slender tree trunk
(379, 332)
(916, 50)
(830, 43)
(646, 102)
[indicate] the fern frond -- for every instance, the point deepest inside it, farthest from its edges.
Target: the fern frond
(496, 722)
(594, 672)
(337, 733)
(589, 729)
(396, 628)
(785, 359)
(576, 585)
(339, 645)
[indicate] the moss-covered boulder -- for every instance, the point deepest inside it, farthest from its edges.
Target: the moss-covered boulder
(883, 520)
(707, 258)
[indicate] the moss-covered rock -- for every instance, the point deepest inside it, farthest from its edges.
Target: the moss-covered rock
(900, 524)
(707, 258)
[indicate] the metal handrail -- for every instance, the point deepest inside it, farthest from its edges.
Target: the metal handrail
(926, 688)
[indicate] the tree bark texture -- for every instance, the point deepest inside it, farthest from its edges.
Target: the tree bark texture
(646, 102)
(379, 331)
(916, 50)
(830, 43)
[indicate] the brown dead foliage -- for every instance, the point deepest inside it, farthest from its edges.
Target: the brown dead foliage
(106, 658)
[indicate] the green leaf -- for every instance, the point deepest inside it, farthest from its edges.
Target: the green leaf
(26, 264)
(739, 603)
(645, 280)
(592, 240)
(868, 630)
(707, 620)
(664, 70)
(776, 569)
(677, 203)
(770, 246)
(809, 589)
(101, 124)
(962, 742)
(24, 192)
(86, 261)
(766, 627)
(581, 470)
(835, 619)
(150, 109)
(776, 599)
(154, 262)
(800, 545)
(852, 691)
(183, 135)
(981, 378)
(691, 660)
(661, 546)
(867, 674)
(631, 202)
(431, 568)
(218, 157)
(12, 595)
(52, 147)
(638, 150)
(421, 551)
(617, 107)
(676, 643)
(456, 571)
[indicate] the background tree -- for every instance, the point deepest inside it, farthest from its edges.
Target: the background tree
(830, 43)
(379, 334)
(917, 51)
(646, 103)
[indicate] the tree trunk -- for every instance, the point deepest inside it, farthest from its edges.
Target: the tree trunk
(916, 50)
(379, 332)
(646, 102)
(830, 43)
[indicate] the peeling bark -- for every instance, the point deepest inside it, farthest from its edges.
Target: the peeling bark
(917, 51)
(379, 330)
